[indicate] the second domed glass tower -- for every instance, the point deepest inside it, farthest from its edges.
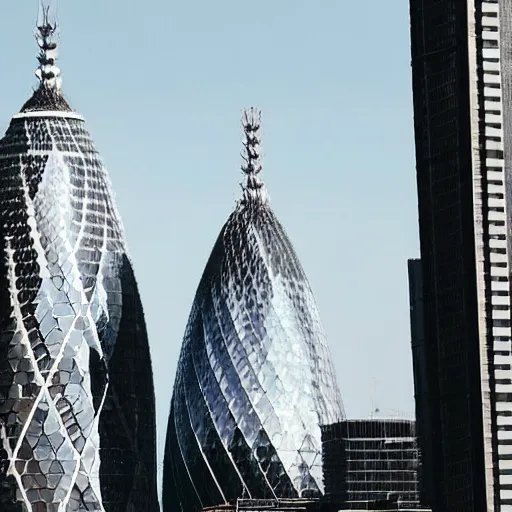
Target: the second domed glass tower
(255, 379)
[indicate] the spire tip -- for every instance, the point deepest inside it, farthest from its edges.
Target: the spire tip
(251, 123)
(47, 72)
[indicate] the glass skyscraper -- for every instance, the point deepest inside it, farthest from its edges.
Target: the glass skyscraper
(77, 418)
(255, 379)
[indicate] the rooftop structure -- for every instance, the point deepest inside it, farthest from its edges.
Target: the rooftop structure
(255, 379)
(298, 505)
(77, 419)
(245, 505)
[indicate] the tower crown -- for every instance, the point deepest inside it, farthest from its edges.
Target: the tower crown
(48, 96)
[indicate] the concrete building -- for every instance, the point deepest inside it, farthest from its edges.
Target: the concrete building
(371, 463)
(461, 65)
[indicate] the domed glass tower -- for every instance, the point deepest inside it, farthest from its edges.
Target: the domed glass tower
(255, 379)
(77, 420)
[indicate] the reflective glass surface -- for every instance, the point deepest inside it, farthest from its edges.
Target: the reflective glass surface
(77, 419)
(255, 379)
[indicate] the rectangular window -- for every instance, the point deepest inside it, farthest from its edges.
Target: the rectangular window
(490, 43)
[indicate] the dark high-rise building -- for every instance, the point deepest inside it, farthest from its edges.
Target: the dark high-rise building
(371, 463)
(77, 418)
(462, 71)
(419, 362)
(255, 379)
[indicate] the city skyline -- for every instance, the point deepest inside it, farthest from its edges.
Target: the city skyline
(292, 147)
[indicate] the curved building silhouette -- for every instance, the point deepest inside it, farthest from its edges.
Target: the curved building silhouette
(255, 379)
(77, 421)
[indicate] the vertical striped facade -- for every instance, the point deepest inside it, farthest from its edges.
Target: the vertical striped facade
(461, 58)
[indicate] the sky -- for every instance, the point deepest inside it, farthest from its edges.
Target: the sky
(162, 85)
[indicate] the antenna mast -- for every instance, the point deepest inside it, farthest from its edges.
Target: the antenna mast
(251, 123)
(46, 36)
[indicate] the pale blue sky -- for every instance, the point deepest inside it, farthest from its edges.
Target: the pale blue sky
(162, 84)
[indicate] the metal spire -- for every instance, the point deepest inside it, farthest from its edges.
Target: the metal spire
(251, 123)
(47, 72)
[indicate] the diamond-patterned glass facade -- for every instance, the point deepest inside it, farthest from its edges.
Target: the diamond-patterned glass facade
(77, 414)
(255, 379)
